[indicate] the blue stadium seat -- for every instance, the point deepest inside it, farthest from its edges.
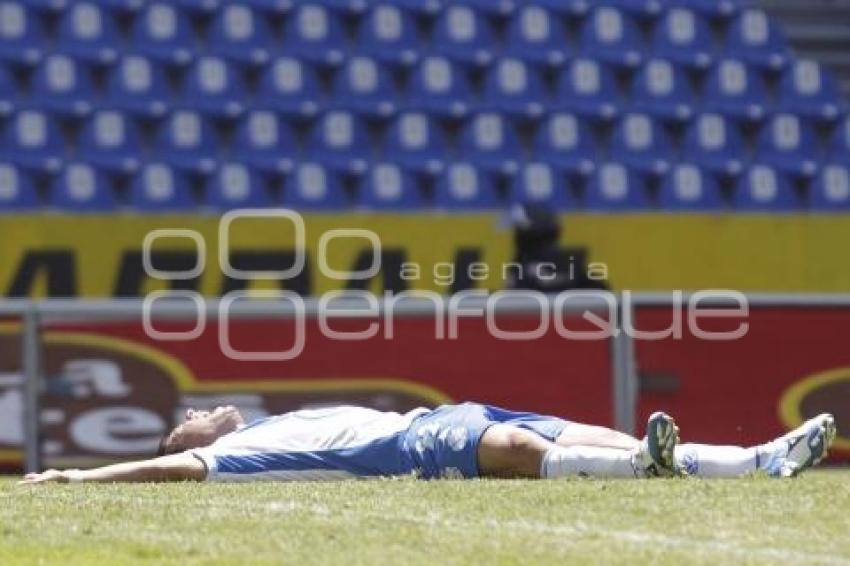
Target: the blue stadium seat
(365, 87)
(756, 39)
(110, 141)
(490, 141)
(314, 33)
(464, 36)
(830, 190)
(188, 142)
(809, 90)
(88, 32)
(156, 177)
(613, 187)
(234, 185)
(490, 7)
(712, 8)
(289, 87)
(611, 37)
(763, 189)
(787, 143)
(164, 33)
(515, 89)
(22, 37)
(81, 187)
(339, 141)
(541, 184)
(537, 36)
(663, 90)
(714, 143)
(312, 187)
(137, 86)
(641, 143)
(214, 87)
(388, 34)
(240, 35)
(683, 37)
(17, 192)
(417, 143)
(32, 140)
(734, 89)
(462, 186)
(440, 88)
(386, 186)
(8, 94)
(159, 188)
(566, 142)
(63, 86)
(686, 187)
(638, 8)
(265, 143)
(588, 88)
(839, 143)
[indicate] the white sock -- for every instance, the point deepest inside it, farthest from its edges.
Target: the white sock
(561, 461)
(707, 461)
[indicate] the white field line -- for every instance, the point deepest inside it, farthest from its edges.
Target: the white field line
(563, 532)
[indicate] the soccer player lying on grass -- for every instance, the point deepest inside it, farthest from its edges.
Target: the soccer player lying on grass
(451, 441)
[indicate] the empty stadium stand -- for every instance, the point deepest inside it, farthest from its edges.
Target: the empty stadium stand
(674, 105)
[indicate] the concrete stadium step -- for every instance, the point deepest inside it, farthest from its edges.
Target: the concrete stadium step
(817, 29)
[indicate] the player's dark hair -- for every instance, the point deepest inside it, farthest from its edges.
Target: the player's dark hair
(166, 446)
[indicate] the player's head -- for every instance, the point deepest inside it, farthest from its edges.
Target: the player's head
(201, 428)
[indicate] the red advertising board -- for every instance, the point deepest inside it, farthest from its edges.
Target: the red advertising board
(792, 364)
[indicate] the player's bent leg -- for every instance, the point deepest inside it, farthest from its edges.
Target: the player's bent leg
(510, 452)
(505, 451)
(577, 434)
(657, 446)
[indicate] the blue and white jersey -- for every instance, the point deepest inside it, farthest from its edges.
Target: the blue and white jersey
(314, 444)
(350, 442)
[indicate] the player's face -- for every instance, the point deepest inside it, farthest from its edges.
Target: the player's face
(204, 427)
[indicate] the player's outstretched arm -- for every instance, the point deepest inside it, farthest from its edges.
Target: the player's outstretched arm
(176, 467)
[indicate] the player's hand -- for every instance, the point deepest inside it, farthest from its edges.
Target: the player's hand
(50, 476)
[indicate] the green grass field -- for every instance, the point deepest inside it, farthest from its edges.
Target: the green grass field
(754, 520)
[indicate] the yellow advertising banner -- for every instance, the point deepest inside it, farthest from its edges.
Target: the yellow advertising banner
(103, 256)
